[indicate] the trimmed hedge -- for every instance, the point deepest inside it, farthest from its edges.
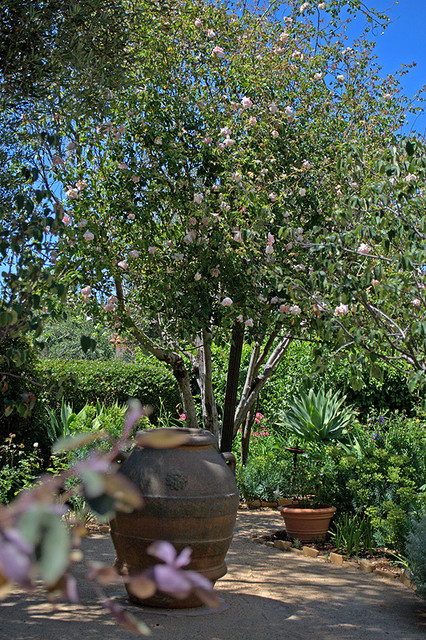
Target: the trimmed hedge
(112, 381)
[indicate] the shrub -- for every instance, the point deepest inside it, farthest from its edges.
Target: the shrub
(19, 467)
(87, 382)
(416, 554)
(261, 476)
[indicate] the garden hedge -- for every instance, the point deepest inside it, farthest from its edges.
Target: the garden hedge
(111, 381)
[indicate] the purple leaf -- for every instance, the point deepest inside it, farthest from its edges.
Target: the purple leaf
(15, 556)
(184, 558)
(198, 580)
(163, 550)
(171, 581)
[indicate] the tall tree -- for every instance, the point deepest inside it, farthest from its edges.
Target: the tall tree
(199, 196)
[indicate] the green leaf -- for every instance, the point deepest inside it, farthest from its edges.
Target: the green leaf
(46, 531)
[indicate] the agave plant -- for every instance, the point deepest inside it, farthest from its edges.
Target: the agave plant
(317, 416)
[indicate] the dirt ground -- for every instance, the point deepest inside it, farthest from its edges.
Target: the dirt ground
(267, 594)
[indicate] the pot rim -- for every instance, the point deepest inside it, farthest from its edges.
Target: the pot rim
(298, 509)
(196, 437)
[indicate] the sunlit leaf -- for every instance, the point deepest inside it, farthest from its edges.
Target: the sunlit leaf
(161, 438)
(74, 442)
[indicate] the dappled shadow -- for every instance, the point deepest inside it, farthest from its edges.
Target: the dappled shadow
(267, 595)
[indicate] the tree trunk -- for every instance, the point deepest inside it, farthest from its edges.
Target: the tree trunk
(184, 384)
(245, 437)
(204, 379)
(234, 364)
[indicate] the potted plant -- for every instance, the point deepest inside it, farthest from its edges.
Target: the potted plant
(316, 419)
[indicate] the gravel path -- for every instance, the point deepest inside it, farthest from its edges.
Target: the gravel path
(266, 595)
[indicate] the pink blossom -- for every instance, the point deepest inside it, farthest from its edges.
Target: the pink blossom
(271, 238)
(57, 161)
(198, 23)
(273, 107)
(246, 102)
(275, 134)
(131, 216)
(136, 179)
(211, 33)
(236, 176)
(110, 304)
(295, 310)
(66, 219)
(252, 121)
(317, 77)
(364, 249)
(226, 302)
(410, 177)
(122, 165)
(283, 37)
(321, 6)
(225, 131)
(229, 142)
(375, 282)
(237, 236)
(269, 249)
(215, 272)
(302, 192)
(81, 184)
(134, 254)
(249, 322)
(123, 265)
(258, 417)
(88, 236)
(198, 198)
(306, 165)
(416, 302)
(158, 140)
(86, 291)
(152, 250)
(272, 196)
(284, 308)
(239, 318)
(182, 417)
(303, 7)
(341, 310)
(71, 146)
(82, 223)
(71, 193)
(341, 78)
(218, 52)
(197, 276)
(207, 140)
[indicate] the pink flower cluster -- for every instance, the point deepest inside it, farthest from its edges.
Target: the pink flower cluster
(258, 417)
(260, 434)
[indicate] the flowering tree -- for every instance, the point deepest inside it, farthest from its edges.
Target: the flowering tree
(373, 300)
(193, 202)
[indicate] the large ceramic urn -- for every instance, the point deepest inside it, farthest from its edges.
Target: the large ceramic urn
(190, 498)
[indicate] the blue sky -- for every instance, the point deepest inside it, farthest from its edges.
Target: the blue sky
(404, 42)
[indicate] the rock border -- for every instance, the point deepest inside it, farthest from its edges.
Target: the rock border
(339, 560)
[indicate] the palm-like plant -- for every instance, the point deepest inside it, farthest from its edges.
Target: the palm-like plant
(317, 416)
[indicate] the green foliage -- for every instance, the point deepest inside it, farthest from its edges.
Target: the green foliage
(20, 466)
(317, 416)
(416, 554)
(261, 476)
(62, 338)
(87, 382)
(352, 533)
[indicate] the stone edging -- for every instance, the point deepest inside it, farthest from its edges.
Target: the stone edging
(337, 559)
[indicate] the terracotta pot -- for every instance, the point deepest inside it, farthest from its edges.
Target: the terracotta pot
(307, 524)
(190, 499)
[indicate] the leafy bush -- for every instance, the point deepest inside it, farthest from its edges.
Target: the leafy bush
(19, 467)
(261, 476)
(87, 382)
(416, 554)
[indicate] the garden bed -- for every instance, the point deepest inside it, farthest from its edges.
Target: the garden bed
(378, 562)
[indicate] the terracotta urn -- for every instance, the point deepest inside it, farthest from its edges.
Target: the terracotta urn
(305, 523)
(190, 498)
